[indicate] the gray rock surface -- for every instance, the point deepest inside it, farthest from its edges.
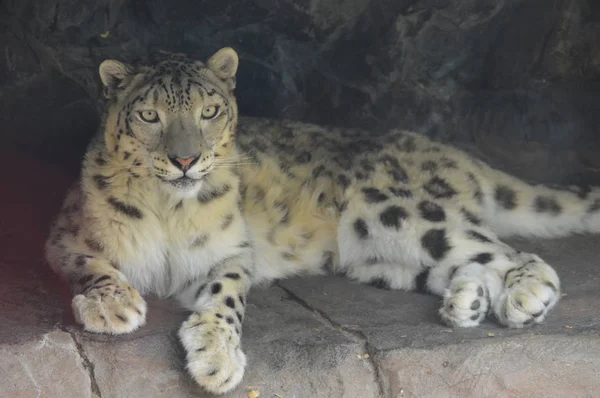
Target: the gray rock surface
(48, 366)
(528, 366)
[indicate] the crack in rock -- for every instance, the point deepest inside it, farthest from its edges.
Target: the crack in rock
(30, 376)
(354, 335)
(87, 363)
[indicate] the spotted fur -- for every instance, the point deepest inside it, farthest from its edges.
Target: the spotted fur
(177, 200)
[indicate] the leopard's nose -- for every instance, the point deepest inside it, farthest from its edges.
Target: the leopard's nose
(184, 163)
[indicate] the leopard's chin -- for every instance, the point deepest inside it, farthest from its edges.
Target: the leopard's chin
(184, 186)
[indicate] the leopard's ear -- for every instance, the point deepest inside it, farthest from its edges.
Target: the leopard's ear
(224, 64)
(115, 76)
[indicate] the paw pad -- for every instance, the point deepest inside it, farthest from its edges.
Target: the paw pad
(465, 303)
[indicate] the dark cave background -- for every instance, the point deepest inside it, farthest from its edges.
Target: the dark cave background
(517, 82)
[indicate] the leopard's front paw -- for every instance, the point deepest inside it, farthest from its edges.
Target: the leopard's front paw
(530, 291)
(215, 358)
(109, 305)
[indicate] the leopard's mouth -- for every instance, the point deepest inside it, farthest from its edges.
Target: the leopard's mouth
(183, 182)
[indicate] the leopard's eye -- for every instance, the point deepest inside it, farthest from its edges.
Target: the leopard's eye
(149, 116)
(209, 112)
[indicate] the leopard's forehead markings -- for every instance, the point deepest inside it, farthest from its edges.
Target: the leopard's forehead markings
(173, 76)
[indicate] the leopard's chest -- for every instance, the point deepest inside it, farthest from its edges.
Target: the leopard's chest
(183, 244)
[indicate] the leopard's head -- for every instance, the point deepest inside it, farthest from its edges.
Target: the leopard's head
(180, 113)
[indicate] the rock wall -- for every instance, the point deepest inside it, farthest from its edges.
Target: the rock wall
(498, 75)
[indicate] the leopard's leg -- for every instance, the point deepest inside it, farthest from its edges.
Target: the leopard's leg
(212, 334)
(103, 300)
(400, 243)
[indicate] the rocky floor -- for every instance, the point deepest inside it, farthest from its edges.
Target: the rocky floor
(305, 337)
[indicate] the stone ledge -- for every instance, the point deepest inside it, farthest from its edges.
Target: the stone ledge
(48, 367)
(524, 366)
(290, 353)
